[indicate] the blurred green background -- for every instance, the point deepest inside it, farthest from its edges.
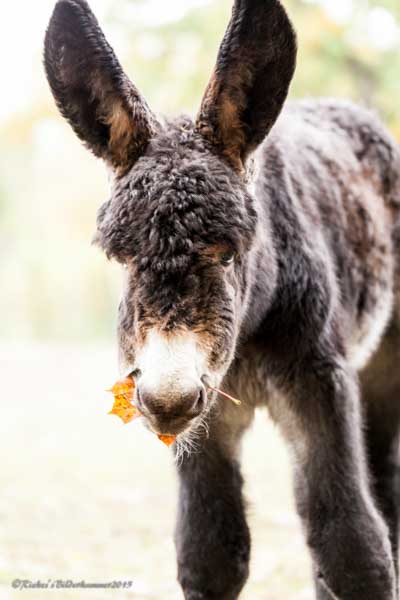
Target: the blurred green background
(55, 286)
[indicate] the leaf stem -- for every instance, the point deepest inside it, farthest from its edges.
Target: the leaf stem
(231, 398)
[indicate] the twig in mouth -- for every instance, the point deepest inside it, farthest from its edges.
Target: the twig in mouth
(234, 400)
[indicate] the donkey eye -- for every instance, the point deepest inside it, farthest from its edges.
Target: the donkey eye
(228, 258)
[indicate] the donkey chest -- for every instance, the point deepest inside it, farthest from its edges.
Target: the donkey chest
(249, 379)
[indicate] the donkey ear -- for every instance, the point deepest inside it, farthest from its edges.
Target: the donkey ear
(90, 88)
(250, 82)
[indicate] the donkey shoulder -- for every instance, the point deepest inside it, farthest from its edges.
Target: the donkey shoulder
(330, 177)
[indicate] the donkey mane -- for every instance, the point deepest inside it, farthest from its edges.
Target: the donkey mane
(176, 201)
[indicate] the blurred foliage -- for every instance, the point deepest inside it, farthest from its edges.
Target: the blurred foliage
(56, 285)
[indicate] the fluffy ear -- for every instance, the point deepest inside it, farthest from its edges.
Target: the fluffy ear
(90, 88)
(250, 82)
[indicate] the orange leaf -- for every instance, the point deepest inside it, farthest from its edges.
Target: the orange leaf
(168, 440)
(125, 414)
(123, 396)
(125, 387)
(121, 403)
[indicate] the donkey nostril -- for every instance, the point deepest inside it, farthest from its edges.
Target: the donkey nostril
(139, 398)
(198, 403)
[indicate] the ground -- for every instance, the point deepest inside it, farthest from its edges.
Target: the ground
(85, 497)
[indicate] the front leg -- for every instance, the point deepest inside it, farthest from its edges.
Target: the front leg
(348, 538)
(212, 536)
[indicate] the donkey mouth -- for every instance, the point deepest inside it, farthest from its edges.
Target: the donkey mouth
(166, 427)
(162, 424)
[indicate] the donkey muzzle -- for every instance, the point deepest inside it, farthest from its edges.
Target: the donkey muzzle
(170, 411)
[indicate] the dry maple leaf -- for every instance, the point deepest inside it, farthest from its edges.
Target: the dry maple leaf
(123, 396)
(127, 412)
(168, 440)
(125, 388)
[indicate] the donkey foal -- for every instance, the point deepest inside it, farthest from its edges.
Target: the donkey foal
(262, 256)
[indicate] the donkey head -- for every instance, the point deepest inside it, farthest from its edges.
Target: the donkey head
(180, 218)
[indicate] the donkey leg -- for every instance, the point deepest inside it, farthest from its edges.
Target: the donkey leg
(212, 537)
(322, 592)
(383, 460)
(346, 534)
(381, 395)
(380, 385)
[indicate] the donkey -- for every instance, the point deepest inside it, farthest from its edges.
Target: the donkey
(262, 256)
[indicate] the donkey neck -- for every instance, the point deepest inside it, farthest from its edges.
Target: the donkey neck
(263, 269)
